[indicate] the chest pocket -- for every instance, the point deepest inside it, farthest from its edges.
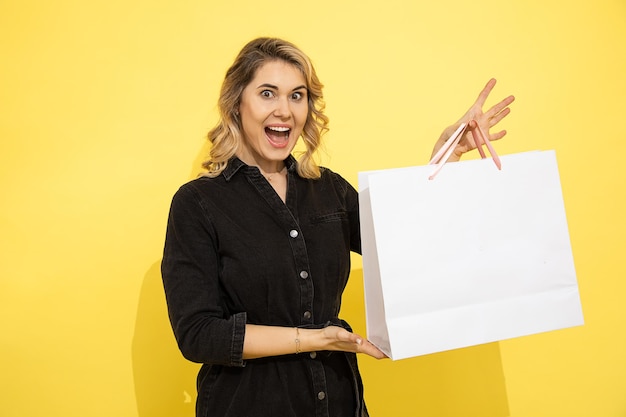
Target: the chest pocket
(337, 216)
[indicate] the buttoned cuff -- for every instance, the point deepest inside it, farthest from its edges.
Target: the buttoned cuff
(239, 333)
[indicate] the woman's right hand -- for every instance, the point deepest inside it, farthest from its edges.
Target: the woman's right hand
(263, 341)
(339, 339)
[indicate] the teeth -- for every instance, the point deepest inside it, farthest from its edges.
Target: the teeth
(278, 129)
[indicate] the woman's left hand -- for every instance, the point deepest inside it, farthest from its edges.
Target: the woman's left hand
(475, 116)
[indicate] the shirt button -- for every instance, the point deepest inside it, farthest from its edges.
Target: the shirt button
(293, 233)
(313, 355)
(321, 395)
(304, 275)
(307, 315)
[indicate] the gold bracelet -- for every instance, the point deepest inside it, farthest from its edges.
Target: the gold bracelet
(297, 340)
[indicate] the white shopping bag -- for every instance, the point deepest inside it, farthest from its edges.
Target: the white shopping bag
(472, 256)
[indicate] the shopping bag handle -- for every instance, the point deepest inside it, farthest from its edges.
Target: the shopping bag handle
(444, 153)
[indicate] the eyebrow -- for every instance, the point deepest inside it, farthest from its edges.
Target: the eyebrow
(266, 85)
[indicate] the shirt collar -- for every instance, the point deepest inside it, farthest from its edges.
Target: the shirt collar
(235, 164)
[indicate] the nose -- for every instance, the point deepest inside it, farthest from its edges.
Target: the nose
(283, 108)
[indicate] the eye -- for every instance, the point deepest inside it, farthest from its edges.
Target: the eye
(267, 93)
(297, 96)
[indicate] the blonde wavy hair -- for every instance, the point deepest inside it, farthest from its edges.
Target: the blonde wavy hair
(227, 136)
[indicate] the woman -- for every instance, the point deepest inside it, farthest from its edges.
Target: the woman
(257, 250)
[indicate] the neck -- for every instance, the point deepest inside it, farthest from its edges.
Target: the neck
(271, 174)
(267, 167)
(273, 170)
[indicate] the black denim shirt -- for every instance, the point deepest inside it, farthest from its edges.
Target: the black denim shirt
(236, 254)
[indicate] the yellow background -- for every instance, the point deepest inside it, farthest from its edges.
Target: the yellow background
(103, 110)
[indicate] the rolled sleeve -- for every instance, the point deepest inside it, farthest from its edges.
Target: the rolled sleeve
(205, 331)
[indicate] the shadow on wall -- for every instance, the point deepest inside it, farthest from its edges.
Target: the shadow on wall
(164, 380)
(461, 382)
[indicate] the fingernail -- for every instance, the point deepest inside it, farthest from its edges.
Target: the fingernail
(359, 341)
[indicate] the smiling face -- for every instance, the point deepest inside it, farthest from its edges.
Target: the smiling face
(273, 110)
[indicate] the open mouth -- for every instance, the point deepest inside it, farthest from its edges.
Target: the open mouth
(278, 135)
